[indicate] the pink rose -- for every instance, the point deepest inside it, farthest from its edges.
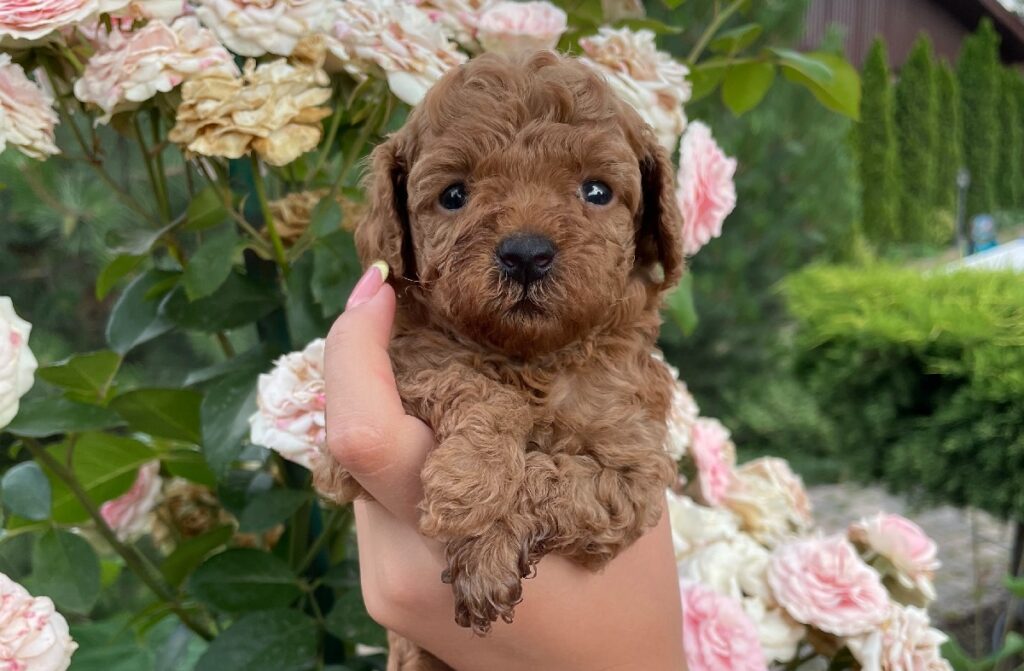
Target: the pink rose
(510, 27)
(27, 118)
(707, 193)
(907, 547)
(128, 514)
(717, 634)
(905, 642)
(32, 19)
(822, 582)
(290, 418)
(33, 635)
(714, 455)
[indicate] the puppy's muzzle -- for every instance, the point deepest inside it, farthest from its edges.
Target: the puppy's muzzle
(525, 258)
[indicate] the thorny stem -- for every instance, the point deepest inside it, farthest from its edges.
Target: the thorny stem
(225, 345)
(268, 217)
(157, 190)
(332, 133)
(339, 521)
(158, 158)
(357, 147)
(709, 32)
(132, 558)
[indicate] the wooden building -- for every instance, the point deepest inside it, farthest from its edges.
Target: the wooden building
(947, 22)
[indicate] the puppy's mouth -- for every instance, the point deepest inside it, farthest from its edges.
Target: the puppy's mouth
(526, 307)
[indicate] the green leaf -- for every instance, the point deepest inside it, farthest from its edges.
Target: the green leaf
(170, 413)
(305, 318)
(66, 569)
(225, 414)
(114, 271)
(109, 645)
(252, 361)
(26, 491)
(105, 467)
(272, 640)
(137, 241)
(673, 4)
(16, 556)
(244, 579)
(746, 85)
(266, 510)
(1015, 585)
(736, 40)
(210, 266)
(134, 318)
(705, 78)
(191, 553)
(336, 269)
(680, 305)
(42, 417)
(838, 89)
(87, 374)
(238, 301)
(189, 464)
(349, 621)
(206, 210)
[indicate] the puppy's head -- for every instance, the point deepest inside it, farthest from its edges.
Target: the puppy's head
(524, 205)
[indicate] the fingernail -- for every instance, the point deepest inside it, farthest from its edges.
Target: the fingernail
(369, 284)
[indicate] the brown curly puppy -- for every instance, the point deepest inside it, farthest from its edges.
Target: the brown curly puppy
(530, 220)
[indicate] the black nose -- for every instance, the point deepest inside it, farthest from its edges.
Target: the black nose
(526, 258)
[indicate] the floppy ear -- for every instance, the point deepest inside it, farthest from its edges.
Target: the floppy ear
(660, 231)
(383, 233)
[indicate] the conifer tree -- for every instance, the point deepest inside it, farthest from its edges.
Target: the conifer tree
(876, 150)
(948, 158)
(916, 118)
(978, 77)
(1011, 141)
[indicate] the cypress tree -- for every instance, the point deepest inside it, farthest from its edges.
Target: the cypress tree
(978, 76)
(876, 150)
(1011, 143)
(915, 114)
(1019, 87)
(948, 156)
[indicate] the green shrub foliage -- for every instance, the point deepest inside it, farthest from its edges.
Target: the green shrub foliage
(876, 148)
(922, 377)
(979, 78)
(916, 118)
(948, 155)
(1011, 143)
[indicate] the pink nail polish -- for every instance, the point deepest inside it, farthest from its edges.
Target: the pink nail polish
(368, 285)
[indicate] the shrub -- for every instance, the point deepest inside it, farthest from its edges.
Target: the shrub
(922, 376)
(916, 119)
(876, 148)
(1011, 143)
(948, 158)
(978, 75)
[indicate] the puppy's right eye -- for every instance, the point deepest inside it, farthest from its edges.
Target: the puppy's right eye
(454, 197)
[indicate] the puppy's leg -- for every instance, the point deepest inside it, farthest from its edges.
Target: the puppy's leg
(471, 486)
(334, 483)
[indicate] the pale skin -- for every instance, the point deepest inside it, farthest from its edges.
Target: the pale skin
(624, 618)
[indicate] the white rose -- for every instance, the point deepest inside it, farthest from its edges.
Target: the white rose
(33, 635)
(770, 499)
(906, 641)
(511, 27)
(290, 418)
(17, 363)
(780, 634)
(258, 27)
(736, 567)
(694, 526)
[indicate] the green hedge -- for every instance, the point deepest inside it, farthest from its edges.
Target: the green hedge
(922, 377)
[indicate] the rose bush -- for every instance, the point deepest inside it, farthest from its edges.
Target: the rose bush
(170, 514)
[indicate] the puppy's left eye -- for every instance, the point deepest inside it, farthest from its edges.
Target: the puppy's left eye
(596, 192)
(454, 197)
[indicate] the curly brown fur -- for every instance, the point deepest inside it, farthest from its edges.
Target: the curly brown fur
(547, 405)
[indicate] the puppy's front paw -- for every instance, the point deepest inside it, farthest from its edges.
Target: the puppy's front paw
(486, 578)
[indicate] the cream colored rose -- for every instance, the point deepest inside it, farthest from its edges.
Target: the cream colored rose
(290, 398)
(17, 363)
(394, 40)
(28, 20)
(779, 633)
(129, 514)
(258, 27)
(650, 80)
(132, 67)
(292, 213)
(457, 18)
(910, 556)
(682, 415)
(27, 118)
(770, 500)
(33, 635)
(736, 567)
(273, 109)
(906, 641)
(512, 27)
(695, 526)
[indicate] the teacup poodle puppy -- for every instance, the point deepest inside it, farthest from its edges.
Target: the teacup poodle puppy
(529, 217)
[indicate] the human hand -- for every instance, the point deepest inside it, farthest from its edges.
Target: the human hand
(625, 617)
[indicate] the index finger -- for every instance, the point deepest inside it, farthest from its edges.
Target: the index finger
(368, 432)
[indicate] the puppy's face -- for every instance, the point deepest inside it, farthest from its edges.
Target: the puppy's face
(523, 202)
